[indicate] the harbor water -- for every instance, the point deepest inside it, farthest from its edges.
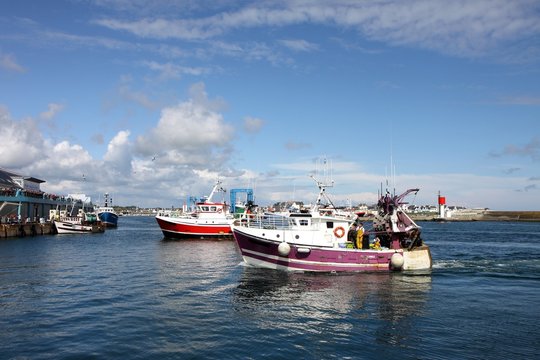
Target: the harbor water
(129, 294)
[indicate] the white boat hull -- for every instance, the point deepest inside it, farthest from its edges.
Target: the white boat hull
(73, 228)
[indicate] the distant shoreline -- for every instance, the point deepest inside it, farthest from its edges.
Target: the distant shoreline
(484, 215)
(488, 215)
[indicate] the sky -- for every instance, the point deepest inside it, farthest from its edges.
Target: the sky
(154, 101)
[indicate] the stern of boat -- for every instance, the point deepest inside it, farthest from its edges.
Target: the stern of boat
(418, 258)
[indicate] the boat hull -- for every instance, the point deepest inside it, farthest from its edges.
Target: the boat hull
(175, 228)
(71, 228)
(108, 219)
(261, 252)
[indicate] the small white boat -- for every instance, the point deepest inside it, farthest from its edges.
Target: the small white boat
(82, 223)
(77, 225)
(67, 222)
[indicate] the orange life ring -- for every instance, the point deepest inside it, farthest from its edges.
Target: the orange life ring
(339, 232)
(219, 210)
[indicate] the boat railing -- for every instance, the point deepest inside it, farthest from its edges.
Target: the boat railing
(274, 222)
(174, 214)
(70, 218)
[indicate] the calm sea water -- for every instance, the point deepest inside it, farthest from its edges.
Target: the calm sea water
(128, 293)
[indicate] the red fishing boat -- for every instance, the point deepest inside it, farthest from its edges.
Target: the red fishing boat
(208, 220)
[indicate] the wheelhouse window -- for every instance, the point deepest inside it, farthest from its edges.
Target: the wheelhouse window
(329, 224)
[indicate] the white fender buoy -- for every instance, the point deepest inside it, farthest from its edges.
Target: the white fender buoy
(284, 249)
(397, 261)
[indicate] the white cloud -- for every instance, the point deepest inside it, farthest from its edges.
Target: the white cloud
(299, 45)
(52, 110)
(462, 28)
(138, 97)
(22, 143)
(119, 154)
(169, 71)
(253, 125)
(70, 156)
(190, 131)
(9, 63)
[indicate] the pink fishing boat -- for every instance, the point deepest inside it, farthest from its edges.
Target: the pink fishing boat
(316, 241)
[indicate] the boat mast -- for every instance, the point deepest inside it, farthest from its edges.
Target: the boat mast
(322, 192)
(329, 182)
(214, 190)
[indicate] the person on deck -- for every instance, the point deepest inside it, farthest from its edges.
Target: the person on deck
(359, 236)
(351, 234)
(376, 244)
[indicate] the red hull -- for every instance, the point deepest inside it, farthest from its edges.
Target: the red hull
(175, 228)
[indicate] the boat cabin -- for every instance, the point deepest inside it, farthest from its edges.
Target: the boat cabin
(210, 208)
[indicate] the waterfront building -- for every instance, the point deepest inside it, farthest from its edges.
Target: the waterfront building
(22, 200)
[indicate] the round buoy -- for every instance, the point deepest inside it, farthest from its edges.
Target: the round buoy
(284, 249)
(397, 261)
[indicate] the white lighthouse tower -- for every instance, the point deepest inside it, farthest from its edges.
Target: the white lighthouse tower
(442, 206)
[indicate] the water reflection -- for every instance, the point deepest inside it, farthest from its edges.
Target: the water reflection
(196, 266)
(340, 306)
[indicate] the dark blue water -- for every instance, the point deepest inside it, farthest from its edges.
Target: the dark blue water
(128, 293)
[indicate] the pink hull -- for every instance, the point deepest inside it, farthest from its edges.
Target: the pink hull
(264, 253)
(177, 229)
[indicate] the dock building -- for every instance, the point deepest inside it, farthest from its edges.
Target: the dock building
(22, 200)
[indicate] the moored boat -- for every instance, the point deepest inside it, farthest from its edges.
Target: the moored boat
(316, 241)
(107, 214)
(81, 223)
(208, 220)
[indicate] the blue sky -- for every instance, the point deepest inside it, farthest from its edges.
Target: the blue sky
(152, 101)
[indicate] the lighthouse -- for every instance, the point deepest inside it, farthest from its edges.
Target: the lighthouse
(442, 206)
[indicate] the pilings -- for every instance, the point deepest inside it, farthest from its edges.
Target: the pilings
(28, 229)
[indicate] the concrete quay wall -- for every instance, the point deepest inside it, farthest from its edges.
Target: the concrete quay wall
(22, 230)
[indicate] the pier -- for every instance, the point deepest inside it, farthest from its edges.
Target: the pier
(23, 230)
(25, 210)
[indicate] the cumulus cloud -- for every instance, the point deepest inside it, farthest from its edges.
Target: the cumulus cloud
(189, 132)
(119, 153)
(22, 142)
